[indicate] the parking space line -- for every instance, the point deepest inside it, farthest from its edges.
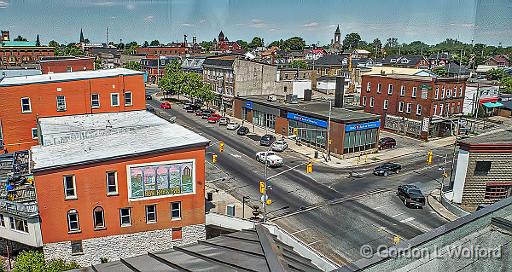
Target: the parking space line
(299, 231)
(407, 220)
(397, 214)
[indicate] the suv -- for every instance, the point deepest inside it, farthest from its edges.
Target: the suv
(411, 195)
(387, 168)
(387, 142)
(279, 146)
(267, 139)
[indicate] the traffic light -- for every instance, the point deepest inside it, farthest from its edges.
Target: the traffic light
(309, 168)
(221, 147)
(295, 131)
(429, 157)
(214, 158)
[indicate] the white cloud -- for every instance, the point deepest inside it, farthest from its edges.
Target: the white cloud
(257, 23)
(130, 6)
(202, 21)
(311, 24)
(187, 25)
(4, 4)
(149, 18)
(273, 29)
(103, 4)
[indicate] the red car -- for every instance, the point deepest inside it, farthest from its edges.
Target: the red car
(165, 105)
(214, 117)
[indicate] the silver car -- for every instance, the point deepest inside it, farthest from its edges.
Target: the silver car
(232, 126)
(279, 146)
(223, 121)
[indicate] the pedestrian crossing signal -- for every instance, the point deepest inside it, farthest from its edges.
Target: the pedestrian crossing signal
(309, 168)
(221, 147)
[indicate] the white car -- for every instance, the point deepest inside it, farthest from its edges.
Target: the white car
(272, 159)
(232, 126)
(279, 146)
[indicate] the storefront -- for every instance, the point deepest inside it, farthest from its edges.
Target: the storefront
(360, 136)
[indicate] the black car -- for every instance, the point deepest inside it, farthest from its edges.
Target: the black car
(242, 131)
(150, 109)
(387, 168)
(387, 142)
(411, 195)
(190, 109)
(149, 97)
(267, 140)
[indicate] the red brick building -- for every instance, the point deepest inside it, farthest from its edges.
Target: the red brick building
(415, 105)
(21, 53)
(64, 64)
(25, 99)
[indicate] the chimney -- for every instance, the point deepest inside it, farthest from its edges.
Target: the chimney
(5, 36)
(339, 91)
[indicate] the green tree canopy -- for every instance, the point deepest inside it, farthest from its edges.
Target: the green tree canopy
(133, 65)
(145, 44)
(256, 42)
(506, 84)
(294, 43)
(495, 74)
(20, 39)
(301, 64)
(33, 261)
(351, 41)
(53, 43)
(243, 44)
(440, 71)
(154, 43)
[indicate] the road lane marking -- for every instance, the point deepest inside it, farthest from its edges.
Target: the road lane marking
(379, 207)
(299, 231)
(397, 215)
(235, 155)
(315, 242)
(407, 220)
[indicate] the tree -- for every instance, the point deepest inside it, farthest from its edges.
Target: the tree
(120, 46)
(506, 84)
(391, 43)
(440, 71)
(351, 41)
(34, 261)
(20, 39)
(294, 43)
(53, 43)
(146, 44)
(279, 44)
(300, 64)
(154, 43)
(207, 46)
(173, 80)
(133, 65)
(206, 94)
(256, 42)
(495, 74)
(243, 44)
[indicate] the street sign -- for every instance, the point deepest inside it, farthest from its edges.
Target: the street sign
(262, 187)
(264, 198)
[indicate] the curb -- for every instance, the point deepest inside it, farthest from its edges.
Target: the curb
(430, 198)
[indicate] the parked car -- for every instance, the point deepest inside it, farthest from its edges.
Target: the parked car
(267, 139)
(232, 126)
(214, 117)
(149, 97)
(189, 109)
(387, 142)
(223, 121)
(199, 112)
(206, 114)
(387, 168)
(165, 105)
(411, 195)
(150, 109)
(279, 146)
(270, 158)
(242, 131)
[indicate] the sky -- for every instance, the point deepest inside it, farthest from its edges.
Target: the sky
(432, 21)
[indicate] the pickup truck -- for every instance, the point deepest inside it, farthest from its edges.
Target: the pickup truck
(271, 159)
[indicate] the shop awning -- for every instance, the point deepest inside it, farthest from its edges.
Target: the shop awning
(488, 99)
(492, 104)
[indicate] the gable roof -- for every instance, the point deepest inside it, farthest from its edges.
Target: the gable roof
(404, 61)
(329, 60)
(246, 250)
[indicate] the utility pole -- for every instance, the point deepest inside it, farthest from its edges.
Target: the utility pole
(328, 144)
(107, 36)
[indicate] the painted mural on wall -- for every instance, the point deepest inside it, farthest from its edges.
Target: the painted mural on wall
(171, 178)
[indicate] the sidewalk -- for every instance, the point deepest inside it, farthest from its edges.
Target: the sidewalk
(433, 202)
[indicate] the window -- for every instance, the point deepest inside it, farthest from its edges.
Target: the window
(443, 93)
(441, 109)
(364, 100)
(99, 218)
(175, 210)
(371, 102)
(18, 224)
(408, 108)
(418, 109)
(460, 91)
(34, 133)
(379, 88)
(402, 90)
(76, 247)
(69, 69)
(390, 89)
(482, 168)
(437, 92)
(124, 214)
(498, 191)
(2, 220)
(369, 87)
(414, 91)
(95, 100)
(69, 187)
(401, 106)
(114, 99)
(73, 225)
(177, 234)
(385, 106)
(449, 93)
(25, 105)
(435, 110)
(151, 213)
(61, 103)
(128, 98)
(112, 183)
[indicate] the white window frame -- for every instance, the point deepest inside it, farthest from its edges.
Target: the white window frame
(179, 210)
(121, 216)
(126, 100)
(418, 109)
(61, 107)
(75, 212)
(13, 221)
(116, 192)
(441, 108)
(29, 105)
(379, 88)
(414, 92)
(408, 107)
(97, 208)
(437, 92)
(112, 99)
(152, 221)
(364, 101)
(390, 88)
(435, 109)
(34, 136)
(372, 102)
(66, 189)
(385, 105)
(401, 106)
(92, 100)
(443, 93)
(402, 90)
(368, 87)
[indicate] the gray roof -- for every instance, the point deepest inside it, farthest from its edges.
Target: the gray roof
(329, 60)
(502, 136)
(246, 250)
(403, 61)
(228, 63)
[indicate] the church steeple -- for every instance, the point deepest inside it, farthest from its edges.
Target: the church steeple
(221, 36)
(82, 39)
(337, 35)
(337, 30)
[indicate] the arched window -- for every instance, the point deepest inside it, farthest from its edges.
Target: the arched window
(99, 218)
(73, 224)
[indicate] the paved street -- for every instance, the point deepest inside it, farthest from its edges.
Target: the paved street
(328, 210)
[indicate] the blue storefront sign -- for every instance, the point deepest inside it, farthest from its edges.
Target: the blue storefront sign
(362, 126)
(248, 105)
(307, 120)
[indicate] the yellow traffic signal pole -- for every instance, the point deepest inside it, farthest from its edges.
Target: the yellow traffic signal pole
(265, 181)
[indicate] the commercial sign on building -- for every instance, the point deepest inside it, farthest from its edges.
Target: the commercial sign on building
(248, 105)
(362, 126)
(307, 120)
(161, 179)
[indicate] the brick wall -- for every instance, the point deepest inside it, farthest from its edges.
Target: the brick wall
(62, 66)
(281, 126)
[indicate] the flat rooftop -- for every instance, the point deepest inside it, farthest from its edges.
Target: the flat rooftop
(501, 136)
(88, 138)
(48, 78)
(318, 109)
